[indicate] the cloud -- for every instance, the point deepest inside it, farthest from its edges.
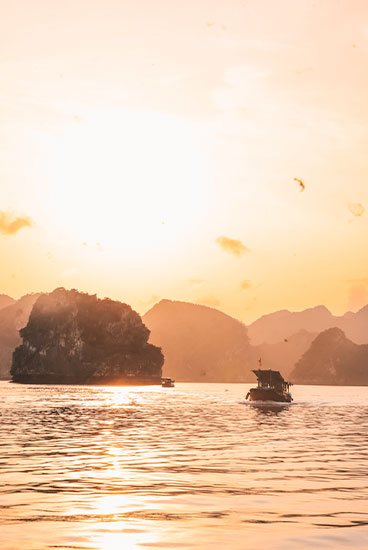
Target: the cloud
(232, 245)
(11, 224)
(244, 285)
(209, 301)
(195, 282)
(356, 208)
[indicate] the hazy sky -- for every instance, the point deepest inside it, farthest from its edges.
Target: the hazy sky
(149, 150)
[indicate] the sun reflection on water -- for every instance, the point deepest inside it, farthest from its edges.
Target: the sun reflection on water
(123, 539)
(132, 468)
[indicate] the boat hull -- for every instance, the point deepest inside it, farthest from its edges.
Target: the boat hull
(167, 382)
(269, 394)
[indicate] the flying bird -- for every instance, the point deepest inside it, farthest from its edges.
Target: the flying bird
(301, 184)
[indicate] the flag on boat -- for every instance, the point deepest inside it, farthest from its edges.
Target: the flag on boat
(260, 361)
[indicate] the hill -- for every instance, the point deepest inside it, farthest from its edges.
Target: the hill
(277, 326)
(282, 356)
(355, 325)
(200, 343)
(5, 301)
(12, 318)
(75, 338)
(332, 359)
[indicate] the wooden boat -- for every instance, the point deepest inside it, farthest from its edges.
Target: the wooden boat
(167, 382)
(271, 387)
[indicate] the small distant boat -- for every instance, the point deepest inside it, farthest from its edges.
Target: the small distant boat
(167, 382)
(271, 387)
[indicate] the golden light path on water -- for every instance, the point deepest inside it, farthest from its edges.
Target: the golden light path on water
(191, 467)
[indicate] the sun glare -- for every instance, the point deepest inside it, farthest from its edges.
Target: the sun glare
(129, 181)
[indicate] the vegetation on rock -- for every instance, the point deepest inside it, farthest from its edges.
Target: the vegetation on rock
(76, 338)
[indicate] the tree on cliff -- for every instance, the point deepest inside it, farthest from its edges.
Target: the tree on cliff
(73, 337)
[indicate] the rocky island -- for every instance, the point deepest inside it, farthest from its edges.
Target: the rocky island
(76, 338)
(333, 359)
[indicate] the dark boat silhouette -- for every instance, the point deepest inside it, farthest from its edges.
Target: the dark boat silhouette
(167, 382)
(271, 387)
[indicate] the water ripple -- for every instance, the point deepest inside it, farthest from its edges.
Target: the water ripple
(142, 461)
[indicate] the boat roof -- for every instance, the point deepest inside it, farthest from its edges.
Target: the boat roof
(268, 376)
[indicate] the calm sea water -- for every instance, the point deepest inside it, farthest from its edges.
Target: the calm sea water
(191, 467)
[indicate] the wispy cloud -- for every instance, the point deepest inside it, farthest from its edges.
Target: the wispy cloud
(196, 282)
(244, 285)
(234, 246)
(10, 224)
(356, 208)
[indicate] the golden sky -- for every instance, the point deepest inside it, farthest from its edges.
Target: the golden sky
(149, 150)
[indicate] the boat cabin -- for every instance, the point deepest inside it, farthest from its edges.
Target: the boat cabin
(271, 379)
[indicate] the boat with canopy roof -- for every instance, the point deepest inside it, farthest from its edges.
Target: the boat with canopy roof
(271, 387)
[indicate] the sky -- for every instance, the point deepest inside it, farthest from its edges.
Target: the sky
(205, 151)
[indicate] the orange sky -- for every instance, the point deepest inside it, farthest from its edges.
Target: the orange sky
(149, 150)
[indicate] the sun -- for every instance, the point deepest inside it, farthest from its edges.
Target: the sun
(128, 180)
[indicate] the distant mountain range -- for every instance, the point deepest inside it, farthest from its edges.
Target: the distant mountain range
(275, 327)
(203, 344)
(200, 344)
(283, 355)
(13, 317)
(5, 301)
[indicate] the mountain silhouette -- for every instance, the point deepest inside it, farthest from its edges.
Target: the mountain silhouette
(200, 343)
(277, 326)
(12, 318)
(5, 301)
(332, 359)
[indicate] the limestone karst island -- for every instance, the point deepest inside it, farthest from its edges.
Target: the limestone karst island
(76, 338)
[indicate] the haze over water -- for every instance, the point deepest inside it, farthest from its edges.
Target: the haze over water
(190, 467)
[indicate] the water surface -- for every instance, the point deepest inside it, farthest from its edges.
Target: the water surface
(193, 466)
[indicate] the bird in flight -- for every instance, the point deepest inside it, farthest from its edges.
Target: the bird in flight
(301, 183)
